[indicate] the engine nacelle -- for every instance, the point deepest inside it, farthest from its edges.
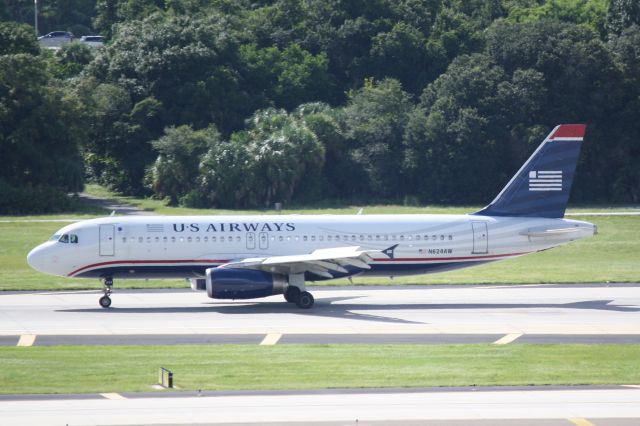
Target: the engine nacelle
(229, 283)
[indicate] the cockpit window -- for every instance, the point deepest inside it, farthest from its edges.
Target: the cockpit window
(66, 238)
(55, 237)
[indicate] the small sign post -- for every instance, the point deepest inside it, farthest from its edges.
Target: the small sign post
(166, 378)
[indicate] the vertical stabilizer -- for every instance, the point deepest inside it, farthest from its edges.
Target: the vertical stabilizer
(542, 186)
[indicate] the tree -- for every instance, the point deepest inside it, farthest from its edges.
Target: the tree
(174, 173)
(374, 121)
(41, 132)
(471, 129)
(622, 14)
(263, 164)
(17, 38)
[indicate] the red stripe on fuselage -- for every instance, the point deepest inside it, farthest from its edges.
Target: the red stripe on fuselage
(213, 261)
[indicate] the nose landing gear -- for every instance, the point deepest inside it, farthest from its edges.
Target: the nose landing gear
(107, 285)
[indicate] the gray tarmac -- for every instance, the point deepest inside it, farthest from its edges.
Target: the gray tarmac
(317, 339)
(592, 314)
(582, 406)
(443, 314)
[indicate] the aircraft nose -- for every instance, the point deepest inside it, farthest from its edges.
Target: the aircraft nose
(36, 258)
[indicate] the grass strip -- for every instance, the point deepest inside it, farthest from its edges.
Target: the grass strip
(613, 255)
(80, 369)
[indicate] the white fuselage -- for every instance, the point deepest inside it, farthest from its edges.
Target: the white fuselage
(185, 246)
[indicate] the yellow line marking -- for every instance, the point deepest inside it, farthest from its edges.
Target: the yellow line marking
(27, 340)
(114, 396)
(271, 339)
(580, 422)
(507, 339)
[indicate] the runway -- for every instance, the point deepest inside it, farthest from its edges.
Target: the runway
(615, 406)
(408, 314)
(392, 315)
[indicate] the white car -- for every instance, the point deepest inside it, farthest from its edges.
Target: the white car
(92, 41)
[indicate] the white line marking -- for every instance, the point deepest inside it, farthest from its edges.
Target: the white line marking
(507, 339)
(114, 396)
(27, 340)
(271, 339)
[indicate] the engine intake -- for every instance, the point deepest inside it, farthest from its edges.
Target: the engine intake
(230, 283)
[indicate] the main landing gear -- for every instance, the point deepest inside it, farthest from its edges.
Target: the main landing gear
(107, 285)
(302, 299)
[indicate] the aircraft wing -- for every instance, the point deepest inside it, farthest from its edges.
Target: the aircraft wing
(323, 262)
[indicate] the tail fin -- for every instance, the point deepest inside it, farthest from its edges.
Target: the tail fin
(542, 185)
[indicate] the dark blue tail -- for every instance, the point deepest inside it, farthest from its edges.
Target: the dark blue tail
(541, 187)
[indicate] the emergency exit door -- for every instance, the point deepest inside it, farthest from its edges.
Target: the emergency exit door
(107, 240)
(480, 238)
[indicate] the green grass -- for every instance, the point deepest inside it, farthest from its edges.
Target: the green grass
(159, 207)
(613, 255)
(80, 369)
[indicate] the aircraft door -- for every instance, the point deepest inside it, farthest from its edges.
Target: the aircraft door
(264, 241)
(251, 241)
(107, 240)
(480, 238)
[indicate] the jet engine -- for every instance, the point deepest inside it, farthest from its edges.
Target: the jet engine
(230, 283)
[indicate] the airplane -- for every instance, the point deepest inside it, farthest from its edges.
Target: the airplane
(247, 257)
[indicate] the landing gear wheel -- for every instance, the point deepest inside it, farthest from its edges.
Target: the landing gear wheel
(305, 301)
(105, 301)
(107, 285)
(292, 294)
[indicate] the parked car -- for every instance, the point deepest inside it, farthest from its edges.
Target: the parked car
(55, 39)
(92, 41)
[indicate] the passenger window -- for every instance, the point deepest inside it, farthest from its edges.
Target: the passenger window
(417, 237)
(313, 238)
(173, 239)
(164, 239)
(157, 239)
(197, 239)
(64, 239)
(238, 239)
(304, 238)
(320, 238)
(140, 239)
(213, 239)
(222, 239)
(206, 239)
(328, 237)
